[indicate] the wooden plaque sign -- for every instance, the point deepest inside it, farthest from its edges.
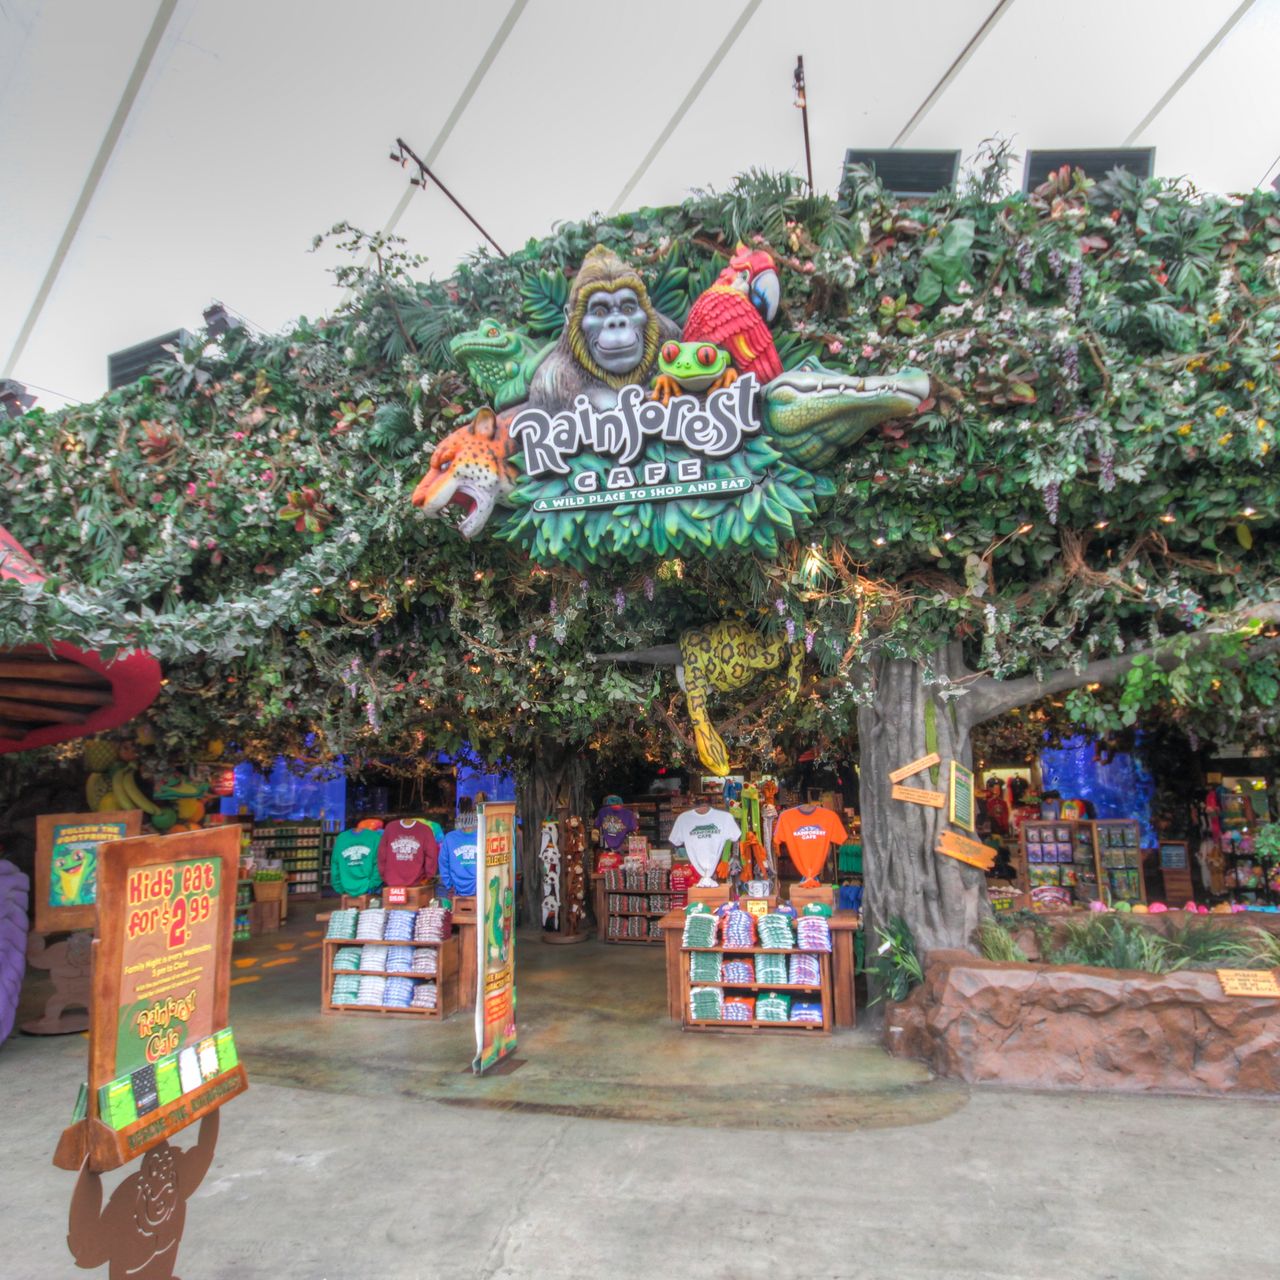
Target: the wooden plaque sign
(67, 868)
(916, 766)
(962, 812)
(974, 852)
(914, 795)
(1249, 982)
(160, 1052)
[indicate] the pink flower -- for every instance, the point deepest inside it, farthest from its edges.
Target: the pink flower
(191, 489)
(238, 435)
(868, 352)
(835, 346)
(808, 268)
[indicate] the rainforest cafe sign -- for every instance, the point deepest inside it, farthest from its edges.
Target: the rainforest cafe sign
(620, 435)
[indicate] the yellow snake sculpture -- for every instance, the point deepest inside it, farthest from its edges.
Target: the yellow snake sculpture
(721, 657)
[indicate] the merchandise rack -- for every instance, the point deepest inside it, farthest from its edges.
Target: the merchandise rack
(299, 847)
(689, 1023)
(446, 979)
(1118, 842)
(610, 913)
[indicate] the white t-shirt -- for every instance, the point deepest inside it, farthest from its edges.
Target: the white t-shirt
(703, 836)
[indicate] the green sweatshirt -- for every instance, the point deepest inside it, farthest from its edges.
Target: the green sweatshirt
(354, 867)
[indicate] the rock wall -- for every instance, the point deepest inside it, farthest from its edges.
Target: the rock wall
(1044, 1027)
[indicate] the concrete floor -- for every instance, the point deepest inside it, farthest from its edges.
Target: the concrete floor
(624, 1147)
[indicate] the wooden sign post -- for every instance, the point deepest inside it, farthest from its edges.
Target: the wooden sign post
(916, 766)
(161, 1055)
(974, 852)
(916, 795)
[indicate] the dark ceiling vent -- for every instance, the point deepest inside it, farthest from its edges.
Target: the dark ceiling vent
(124, 367)
(15, 399)
(907, 172)
(1097, 162)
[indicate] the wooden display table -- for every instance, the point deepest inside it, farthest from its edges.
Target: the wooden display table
(844, 924)
(464, 919)
(445, 978)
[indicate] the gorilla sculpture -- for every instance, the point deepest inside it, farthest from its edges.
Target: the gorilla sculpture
(611, 337)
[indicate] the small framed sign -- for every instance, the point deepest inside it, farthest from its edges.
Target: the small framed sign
(962, 814)
(67, 869)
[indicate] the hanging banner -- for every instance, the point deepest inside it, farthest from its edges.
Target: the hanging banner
(161, 1054)
(495, 933)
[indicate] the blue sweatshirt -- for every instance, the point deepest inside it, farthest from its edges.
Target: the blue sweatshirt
(458, 863)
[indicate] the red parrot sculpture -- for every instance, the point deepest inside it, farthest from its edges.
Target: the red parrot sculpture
(735, 313)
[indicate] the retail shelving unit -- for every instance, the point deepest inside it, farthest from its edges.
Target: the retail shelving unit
(624, 901)
(1118, 842)
(824, 990)
(300, 847)
(1058, 862)
(445, 977)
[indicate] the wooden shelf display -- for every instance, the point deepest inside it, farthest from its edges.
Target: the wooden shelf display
(445, 978)
(299, 847)
(824, 989)
(1059, 862)
(631, 903)
(1119, 845)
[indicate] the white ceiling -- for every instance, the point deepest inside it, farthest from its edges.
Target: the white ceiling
(257, 123)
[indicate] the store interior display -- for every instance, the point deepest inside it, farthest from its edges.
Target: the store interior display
(807, 832)
(704, 832)
(408, 854)
(297, 848)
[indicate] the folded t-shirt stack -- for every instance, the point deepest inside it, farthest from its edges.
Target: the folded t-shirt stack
(398, 992)
(347, 959)
(775, 932)
(739, 1008)
(399, 959)
(700, 929)
(804, 971)
(371, 924)
(373, 960)
(704, 966)
(399, 926)
(346, 987)
(371, 990)
(342, 924)
(706, 1004)
(738, 930)
(806, 1011)
(425, 961)
(738, 971)
(771, 969)
(773, 1006)
(424, 995)
(814, 933)
(432, 925)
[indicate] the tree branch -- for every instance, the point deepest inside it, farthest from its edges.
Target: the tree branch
(989, 697)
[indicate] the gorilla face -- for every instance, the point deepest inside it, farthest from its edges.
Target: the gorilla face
(614, 326)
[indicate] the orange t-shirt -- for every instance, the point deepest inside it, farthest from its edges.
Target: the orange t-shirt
(808, 837)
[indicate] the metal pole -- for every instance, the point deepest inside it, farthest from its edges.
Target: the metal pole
(802, 102)
(407, 150)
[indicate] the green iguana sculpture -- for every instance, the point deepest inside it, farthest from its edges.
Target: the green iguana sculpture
(500, 361)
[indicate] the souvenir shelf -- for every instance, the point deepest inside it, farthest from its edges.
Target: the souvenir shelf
(634, 902)
(446, 979)
(689, 1023)
(1119, 845)
(1059, 862)
(299, 847)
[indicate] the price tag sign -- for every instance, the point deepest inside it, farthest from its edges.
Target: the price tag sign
(397, 895)
(1249, 982)
(757, 906)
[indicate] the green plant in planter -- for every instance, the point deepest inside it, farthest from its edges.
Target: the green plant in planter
(1115, 944)
(266, 875)
(996, 943)
(896, 966)
(1206, 944)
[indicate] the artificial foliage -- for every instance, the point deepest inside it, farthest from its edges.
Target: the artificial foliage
(1093, 476)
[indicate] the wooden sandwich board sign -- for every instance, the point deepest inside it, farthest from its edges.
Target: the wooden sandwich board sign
(915, 795)
(67, 864)
(974, 852)
(1249, 982)
(916, 766)
(161, 1055)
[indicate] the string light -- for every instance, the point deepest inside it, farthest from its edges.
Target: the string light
(948, 535)
(1168, 517)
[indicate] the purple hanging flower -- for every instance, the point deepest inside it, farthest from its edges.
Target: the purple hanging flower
(371, 715)
(533, 644)
(781, 606)
(649, 587)
(1024, 258)
(553, 608)
(1107, 470)
(619, 600)
(791, 630)
(584, 586)
(1075, 286)
(1054, 259)
(1071, 364)
(1052, 494)
(808, 641)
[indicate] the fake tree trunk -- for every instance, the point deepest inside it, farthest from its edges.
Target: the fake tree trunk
(556, 775)
(942, 900)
